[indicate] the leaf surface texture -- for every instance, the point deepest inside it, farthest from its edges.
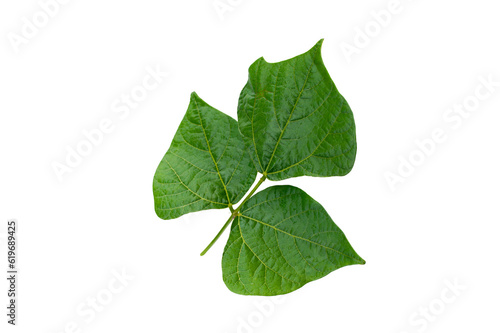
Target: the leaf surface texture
(282, 240)
(206, 166)
(294, 120)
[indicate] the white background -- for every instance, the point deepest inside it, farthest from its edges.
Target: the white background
(440, 224)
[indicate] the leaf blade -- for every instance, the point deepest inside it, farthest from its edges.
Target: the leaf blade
(206, 167)
(295, 121)
(273, 254)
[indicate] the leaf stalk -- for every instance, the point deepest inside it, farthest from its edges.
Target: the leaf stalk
(234, 213)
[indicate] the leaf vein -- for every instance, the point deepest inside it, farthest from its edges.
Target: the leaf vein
(298, 237)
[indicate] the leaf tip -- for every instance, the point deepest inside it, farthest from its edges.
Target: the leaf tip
(194, 95)
(318, 46)
(197, 100)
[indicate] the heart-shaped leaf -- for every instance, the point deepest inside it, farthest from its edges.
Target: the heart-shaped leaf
(206, 166)
(280, 240)
(295, 121)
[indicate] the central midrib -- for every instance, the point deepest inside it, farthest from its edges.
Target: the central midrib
(298, 237)
(291, 113)
(210, 152)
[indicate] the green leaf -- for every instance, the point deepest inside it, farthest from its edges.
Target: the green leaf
(280, 240)
(292, 122)
(295, 121)
(206, 166)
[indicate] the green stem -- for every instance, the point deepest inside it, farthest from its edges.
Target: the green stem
(218, 235)
(234, 214)
(261, 180)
